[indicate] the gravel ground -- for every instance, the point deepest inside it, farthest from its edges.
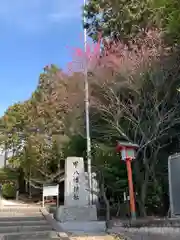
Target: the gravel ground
(154, 234)
(145, 236)
(128, 236)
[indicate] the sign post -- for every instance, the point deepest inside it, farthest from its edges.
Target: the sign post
(50, 190)
(128, 154)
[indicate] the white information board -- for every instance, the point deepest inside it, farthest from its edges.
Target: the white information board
(51, 190)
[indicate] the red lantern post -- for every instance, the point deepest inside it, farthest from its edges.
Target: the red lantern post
(127, 151)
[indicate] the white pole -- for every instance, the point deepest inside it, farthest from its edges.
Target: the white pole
(88, 139)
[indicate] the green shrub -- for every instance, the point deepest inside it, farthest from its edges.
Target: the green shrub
(8, 190)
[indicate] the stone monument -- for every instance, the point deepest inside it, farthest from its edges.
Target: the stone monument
(76, 207)
(75, 187)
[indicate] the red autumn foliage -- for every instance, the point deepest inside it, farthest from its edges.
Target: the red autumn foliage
(117, 56)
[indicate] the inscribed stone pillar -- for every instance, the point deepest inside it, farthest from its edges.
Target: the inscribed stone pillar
(75, 184)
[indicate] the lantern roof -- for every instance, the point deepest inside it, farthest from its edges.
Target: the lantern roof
(128, 145)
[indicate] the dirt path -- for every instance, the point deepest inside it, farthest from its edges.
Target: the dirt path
(95, 237)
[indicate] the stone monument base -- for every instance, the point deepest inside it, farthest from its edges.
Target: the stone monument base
(91, 227)
(78, 213)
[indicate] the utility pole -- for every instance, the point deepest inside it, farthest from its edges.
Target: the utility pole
(88, 138)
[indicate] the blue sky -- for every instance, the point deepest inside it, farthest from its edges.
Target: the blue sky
(34, 34)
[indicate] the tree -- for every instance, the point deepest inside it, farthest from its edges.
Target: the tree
(38, 129)
(118, 19)
(144, 109)
(111, 176)
(126, 20)
(167, 16)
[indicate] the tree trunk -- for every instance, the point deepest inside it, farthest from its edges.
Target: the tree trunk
(144, 193)
(29, 183)
(107, 207)
(5, 155)
(139, 178)
(106, 201)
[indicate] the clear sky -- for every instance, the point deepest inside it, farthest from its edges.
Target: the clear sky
(34, 33)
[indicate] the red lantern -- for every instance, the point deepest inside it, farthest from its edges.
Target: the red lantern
(128, 151)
